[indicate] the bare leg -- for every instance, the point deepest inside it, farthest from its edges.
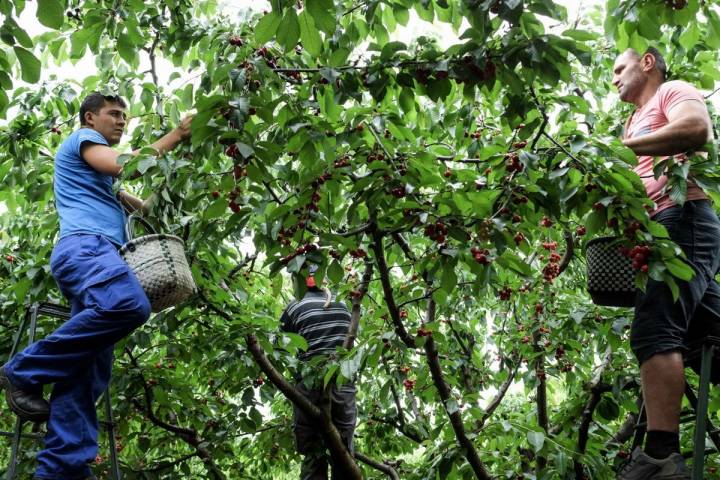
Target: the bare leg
(663, 383)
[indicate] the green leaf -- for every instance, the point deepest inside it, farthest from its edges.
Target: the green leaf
(289, 30)
(608, 408)
(309, 34)
(690, 36)
(216, 209)
(125, 48)
(146, 163)
(267, 27)
(389, 50)
(323, 13)
(680, 269)
(335, 272)
(449, 278)
(658, 230)
(673, 287)
(20, 35)
(536, 439)
(29, 64)
(51, 13)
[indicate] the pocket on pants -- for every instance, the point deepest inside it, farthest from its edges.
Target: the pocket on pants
(111, 289)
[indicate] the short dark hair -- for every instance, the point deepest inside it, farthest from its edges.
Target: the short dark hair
(660, 64)
(95, 101)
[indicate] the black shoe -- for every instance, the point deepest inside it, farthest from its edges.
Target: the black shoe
(643, 467)
(28, 406)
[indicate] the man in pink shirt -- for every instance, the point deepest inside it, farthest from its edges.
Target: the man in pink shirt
(670, 118)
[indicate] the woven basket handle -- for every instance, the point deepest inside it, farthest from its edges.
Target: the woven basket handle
(130, 223)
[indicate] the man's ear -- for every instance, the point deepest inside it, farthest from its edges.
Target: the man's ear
(88, 118)
(648, 62)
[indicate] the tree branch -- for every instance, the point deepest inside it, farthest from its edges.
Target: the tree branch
(393, 310)
(502, 391)
(356, 305)
(333, 439)
(383, 467)
(431, 354)
(569, 251)
(596, 391)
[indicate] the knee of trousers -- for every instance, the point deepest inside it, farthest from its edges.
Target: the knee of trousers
(126, 302)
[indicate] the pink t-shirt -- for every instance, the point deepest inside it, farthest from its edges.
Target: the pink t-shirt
(647, 119)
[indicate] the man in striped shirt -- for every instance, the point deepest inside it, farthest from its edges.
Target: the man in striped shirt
(323, 324)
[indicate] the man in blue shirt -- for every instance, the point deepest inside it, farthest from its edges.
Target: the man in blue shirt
(106, 298)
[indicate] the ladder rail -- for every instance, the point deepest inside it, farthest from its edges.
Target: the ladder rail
(31, 314)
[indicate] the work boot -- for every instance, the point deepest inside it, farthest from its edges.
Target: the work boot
(644, 467)
(26, 405)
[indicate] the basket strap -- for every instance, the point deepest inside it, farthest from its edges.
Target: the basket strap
(130, 223)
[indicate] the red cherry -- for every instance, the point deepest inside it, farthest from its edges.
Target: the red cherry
(580, 231)
(215, 194)
(9, 258)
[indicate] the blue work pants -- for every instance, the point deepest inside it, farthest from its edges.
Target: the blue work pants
(107, 304)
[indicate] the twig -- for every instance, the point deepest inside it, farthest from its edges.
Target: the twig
(383, 467)
(497, 400)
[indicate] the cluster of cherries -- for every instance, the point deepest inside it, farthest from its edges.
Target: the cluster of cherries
(480, 255)
(512, 163)
(398, 192)
(505, 293)
(343, 161)
(358, 253)
(307, 248)
(552, 269)
(640, 254)
(423, 332)
(236, 41)
(436, 231)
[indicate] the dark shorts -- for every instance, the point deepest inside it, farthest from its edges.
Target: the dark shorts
(344, 417)
(663, 325)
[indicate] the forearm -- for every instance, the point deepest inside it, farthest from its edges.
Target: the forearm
(166, 143)
(675, 137)
(134, 203)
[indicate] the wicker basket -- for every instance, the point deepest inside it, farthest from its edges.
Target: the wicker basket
(160, 265)
(611, 278)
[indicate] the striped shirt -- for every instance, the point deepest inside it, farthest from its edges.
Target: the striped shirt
(323, 329)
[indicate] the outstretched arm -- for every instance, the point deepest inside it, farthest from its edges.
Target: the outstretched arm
(104, 159)
(688, 128)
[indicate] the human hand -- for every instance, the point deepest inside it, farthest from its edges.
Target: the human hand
(183, 129)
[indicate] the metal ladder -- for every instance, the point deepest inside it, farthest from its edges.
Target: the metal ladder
(705, 349)
(30, 317)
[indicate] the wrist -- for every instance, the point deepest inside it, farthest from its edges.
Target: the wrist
(176, 136)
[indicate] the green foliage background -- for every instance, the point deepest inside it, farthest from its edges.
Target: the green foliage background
(404, 136)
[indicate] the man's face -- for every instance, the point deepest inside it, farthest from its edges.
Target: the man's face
(109, 122)
(628, 76)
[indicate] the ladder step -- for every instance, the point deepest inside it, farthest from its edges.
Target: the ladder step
(34, 436)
